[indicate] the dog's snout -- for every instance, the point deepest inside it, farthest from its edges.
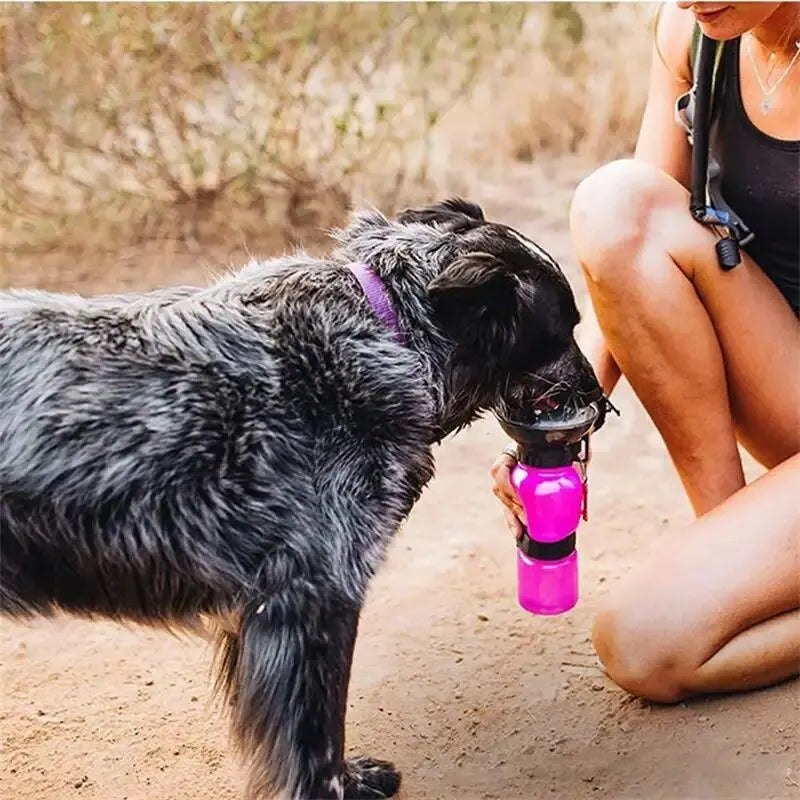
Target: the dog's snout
(567, 380)
(573, 370)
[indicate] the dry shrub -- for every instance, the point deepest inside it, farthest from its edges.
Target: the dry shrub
(201, 120)
(590, 95)
(243, 122)
(577, 86)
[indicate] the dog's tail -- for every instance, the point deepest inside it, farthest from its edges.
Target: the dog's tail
(285, 674)
(256, 730)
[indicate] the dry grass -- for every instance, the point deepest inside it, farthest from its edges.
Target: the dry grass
(262, 123)
(579, 88)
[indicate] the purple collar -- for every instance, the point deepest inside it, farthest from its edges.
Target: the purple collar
(377, 297)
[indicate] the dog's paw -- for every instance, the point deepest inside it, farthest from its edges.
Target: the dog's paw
(369, 778)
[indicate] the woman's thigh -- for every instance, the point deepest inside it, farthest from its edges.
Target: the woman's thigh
(759, 335)
(758, 332)
(732, 568)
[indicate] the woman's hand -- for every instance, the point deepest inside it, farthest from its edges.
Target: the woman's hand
(500, 474)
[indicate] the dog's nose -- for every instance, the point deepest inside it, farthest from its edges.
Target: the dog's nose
(574, 368)
(584, 376)
(589, 384)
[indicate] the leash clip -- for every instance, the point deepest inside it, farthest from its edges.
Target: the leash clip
(583, 458)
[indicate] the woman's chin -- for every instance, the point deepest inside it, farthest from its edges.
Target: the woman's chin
(722, 24)
(721, 31)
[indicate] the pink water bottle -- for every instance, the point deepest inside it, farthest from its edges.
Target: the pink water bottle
(553, 493)
(547, 558)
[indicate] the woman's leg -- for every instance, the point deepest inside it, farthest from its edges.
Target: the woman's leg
(709, 353)
(593, 344)
(715, 609)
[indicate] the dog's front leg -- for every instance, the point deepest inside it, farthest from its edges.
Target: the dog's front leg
(286, 673)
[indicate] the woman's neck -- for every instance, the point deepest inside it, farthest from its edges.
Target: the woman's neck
(779, 32)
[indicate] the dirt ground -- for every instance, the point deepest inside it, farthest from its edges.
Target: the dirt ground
(470, 696)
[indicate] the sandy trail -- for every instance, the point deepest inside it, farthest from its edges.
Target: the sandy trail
(470, 696)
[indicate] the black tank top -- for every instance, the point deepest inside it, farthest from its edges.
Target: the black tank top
(760, 180)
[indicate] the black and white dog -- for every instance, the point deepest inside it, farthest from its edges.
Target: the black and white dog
(244, 453)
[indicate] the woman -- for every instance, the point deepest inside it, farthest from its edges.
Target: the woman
(714, 357)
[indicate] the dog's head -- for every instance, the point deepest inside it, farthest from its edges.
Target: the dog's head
(510, 313)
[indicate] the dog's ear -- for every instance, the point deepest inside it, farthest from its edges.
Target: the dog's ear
(480, 273)
(453, 215)
(476, 300)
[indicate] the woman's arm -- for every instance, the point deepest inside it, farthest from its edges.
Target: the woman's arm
(661, 141)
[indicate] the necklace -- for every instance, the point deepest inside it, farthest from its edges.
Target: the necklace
(766, 90)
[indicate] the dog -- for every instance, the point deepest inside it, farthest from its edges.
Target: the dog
(242, 454)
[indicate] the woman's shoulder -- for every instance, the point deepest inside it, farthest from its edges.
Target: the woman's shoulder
(674, 32)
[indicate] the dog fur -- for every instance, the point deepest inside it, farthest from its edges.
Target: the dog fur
(245, 452)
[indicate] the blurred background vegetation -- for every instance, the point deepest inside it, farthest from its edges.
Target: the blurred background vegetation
(258, 125)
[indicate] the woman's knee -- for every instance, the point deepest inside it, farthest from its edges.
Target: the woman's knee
(613, 214)
(637, 658)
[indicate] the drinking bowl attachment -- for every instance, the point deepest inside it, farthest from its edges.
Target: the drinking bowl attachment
(554, 428)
